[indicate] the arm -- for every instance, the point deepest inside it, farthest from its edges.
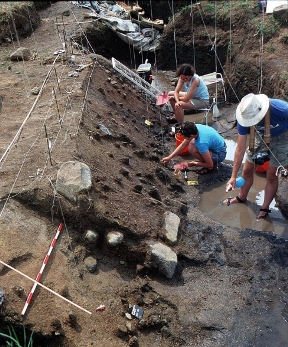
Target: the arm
(207, 161)
(189, 95)
(178, 150)
(178, 90)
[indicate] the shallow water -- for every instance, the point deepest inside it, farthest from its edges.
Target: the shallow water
(243, 215)
(236, 215)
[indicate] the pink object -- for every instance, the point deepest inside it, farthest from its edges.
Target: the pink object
(100, 308)
(162, 99)
(181, 166)
(45, 261)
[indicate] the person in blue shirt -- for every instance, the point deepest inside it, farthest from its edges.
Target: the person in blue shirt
(204, 143)
(252, 112)
(195, 96)
(262, 5)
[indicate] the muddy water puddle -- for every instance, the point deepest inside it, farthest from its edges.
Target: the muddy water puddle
(236, 215)
(243, 215)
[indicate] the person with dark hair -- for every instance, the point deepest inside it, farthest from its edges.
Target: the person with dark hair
(195, 96)
(265, 120)
(204, 143)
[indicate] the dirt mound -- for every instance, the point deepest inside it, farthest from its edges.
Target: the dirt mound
(60, 105)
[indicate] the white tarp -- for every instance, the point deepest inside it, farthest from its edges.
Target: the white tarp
(271, 4)
(117, 19)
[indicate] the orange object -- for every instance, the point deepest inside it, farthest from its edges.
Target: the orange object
(262, 168)
(179, 139)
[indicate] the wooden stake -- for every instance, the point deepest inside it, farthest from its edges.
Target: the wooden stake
(57, 79)
(48, 145)
(54, 93)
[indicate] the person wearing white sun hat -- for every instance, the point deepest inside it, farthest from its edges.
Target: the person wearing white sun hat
(266, 120)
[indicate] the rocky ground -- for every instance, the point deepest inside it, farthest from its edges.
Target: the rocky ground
(230, 285)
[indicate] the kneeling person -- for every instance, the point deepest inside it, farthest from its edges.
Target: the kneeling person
(204, 143)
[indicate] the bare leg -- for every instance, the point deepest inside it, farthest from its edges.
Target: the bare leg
(171, 99)
(179, 110)
(248, 175)
(269, 190)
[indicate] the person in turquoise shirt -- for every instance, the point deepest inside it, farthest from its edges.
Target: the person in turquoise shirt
(204, 143)
(195, 96)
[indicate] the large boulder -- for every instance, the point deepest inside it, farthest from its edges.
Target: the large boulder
(280, 13)
(73, 178)
(162, 258)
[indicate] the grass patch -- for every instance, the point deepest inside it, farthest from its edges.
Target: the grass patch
(13, 340)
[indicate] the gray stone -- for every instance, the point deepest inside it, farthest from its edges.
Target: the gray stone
(163, 258)
(280, 13)
(92, 236)
(128, 316)
(91, 264)
(73, 177)
(20, 54)
(114, 238)
(171, 226)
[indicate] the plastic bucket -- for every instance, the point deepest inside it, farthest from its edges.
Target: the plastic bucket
(262, 168)
(179, 139)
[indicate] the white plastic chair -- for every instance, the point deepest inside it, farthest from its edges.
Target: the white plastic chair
(210, 79)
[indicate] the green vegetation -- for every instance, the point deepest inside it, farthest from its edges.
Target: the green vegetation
(284, 76)
(185, 8)
(14, 341)
(266, 28)
(6, 8)
(272, 48)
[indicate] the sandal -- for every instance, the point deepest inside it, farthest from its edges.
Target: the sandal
(237, 198)
(266, 210)
(203, 171)
(171, 120)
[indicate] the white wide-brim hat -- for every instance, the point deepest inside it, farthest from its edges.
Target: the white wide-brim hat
(252, 109)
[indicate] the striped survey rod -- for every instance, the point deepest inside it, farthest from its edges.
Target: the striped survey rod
(45, 261)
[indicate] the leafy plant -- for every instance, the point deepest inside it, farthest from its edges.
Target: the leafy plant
(14, 341)
(184, 8)
(268, 28)
(209, 7)
(284, 76)
(272, 48)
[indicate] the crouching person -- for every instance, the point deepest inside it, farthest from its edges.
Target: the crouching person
(204, 143)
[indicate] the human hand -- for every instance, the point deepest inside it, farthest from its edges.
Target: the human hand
(230, 185)
(165, 160)
(181, 166)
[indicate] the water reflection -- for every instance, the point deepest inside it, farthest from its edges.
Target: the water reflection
(231, 147)
(243, 215)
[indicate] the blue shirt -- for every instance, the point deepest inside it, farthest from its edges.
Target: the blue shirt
(278, 119)
(201, 91)
(208, 139)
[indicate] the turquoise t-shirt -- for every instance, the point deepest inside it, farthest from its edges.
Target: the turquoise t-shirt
(278, 119)
(208, 139)
(201, 91)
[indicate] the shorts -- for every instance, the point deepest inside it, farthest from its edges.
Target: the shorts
(278, 149)
(197, 103)
(218, 157)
